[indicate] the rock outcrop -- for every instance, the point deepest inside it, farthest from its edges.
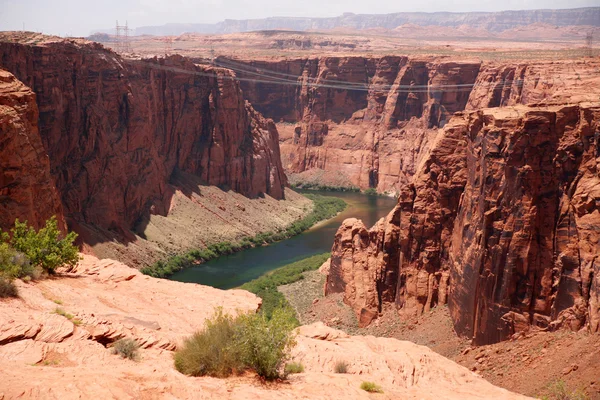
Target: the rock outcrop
(492, 21)
(27, 190)
(50, 356)
(367, 122)
(116, 131)
(500, 222)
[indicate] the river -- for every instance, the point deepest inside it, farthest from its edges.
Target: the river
(231, 271)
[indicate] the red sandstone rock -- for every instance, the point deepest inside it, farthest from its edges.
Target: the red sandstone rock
(375, 128)
(27, 191)
(106, 292)
(116, 130)
(500, 223)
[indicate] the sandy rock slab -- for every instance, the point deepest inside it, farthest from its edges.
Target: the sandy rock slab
(46, 354)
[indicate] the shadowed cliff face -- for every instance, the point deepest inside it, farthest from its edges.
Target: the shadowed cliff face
(367, 122)
(27, 190)
(116, 130)
(501, 222)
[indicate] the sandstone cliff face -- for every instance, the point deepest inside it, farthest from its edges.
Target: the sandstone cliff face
(367, 122)
(500, 222)
(116, 130)
(27, 190)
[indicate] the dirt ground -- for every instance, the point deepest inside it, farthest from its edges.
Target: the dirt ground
(533, 364)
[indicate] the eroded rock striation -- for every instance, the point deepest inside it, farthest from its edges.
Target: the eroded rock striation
(367, 122)
(500, 222)
(107, 300)
(27, 190)
(117, 130)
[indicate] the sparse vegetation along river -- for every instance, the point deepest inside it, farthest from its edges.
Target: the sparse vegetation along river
(233, 270)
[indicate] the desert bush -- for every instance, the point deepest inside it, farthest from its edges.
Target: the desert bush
(44, 248)
(341, 367)
(14, 264)
(293, 368)
(264, 344)
(7, 288)
(127, 348)
(558, 390)
(210, 351)
(371, 387)
(248, 341)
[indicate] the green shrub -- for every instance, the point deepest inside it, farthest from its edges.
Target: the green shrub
(371, 387)
(210, 351)
(127, 348)
(558, 390)
(14, 264)
(228, 344)
(7, 288)
(341, 367)
(370, 192)
(45, 248)
(264, 345)
(293, 368)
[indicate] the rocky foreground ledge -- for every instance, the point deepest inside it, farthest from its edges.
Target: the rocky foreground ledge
(51, 356)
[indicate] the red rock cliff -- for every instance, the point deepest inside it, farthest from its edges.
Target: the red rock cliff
(27, 190)
(116, 130)
(367, 122)
(500, 223)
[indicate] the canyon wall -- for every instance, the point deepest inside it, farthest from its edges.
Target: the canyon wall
(500, 222)
(367, 122)
(27, 190)
(116, 131)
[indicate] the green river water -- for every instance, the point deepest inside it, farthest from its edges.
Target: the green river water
(231, 271)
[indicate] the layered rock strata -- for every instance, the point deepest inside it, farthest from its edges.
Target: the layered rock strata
(116, 131)
(27, 190)
(500, 223)
(367, 122)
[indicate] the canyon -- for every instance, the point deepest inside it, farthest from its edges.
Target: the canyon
(126, 138)
(366, 122)
(494, 163)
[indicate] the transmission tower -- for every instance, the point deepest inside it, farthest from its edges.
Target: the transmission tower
(122, 44)
(589, 43)
(168, 45)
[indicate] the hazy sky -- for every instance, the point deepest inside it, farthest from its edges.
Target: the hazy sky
(81, 17)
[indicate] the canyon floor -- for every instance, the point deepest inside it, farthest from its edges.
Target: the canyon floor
(529, 363)
(65, 355)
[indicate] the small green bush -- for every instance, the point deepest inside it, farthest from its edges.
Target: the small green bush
(370, 192)
(371, 387)
(7, 288)
(127, 348)
(14, 264)
(248, 341)
(210, 351)
(44, 248)
(264, 344)
(341, 367)
(293, 368)
(558, 390)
